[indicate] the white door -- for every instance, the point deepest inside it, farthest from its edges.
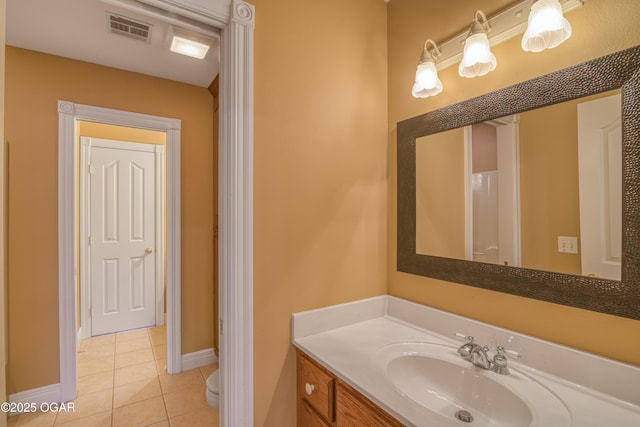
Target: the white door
(600, 178)
(122, 235)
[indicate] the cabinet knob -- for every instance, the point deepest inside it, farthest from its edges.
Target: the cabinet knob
(309, 388)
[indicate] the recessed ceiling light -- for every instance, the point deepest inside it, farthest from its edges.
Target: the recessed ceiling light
(189, 43)
(189, 47)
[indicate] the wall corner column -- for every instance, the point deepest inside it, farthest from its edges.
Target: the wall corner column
(236, 216)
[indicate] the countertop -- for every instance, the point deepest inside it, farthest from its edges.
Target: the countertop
(596, 391)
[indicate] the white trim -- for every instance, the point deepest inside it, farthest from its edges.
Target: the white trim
(160, 223)
(212, 12)
(468, 193)
(198, 359)
(236, 218)
(84, 196)
(47, 394)
(85, 297)
(68, 114)
(173, 252)
(67, 172)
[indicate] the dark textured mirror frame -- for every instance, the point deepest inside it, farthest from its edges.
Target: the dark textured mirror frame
(620, 298)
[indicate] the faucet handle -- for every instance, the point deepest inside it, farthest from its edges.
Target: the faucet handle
(499, 365)
(500, 351)
(514, 354)
(463, 337)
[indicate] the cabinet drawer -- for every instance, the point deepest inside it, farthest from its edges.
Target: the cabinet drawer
(315, 386)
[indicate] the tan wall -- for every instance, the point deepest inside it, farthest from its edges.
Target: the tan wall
(484, 151)
(121, 133)
(599, 27)
(320, 175)
(440, 209)
(3, 226)
(34, 84)
(549, 186)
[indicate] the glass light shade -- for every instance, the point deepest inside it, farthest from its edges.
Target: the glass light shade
(478, 59)
(427, 82)
(547, 27)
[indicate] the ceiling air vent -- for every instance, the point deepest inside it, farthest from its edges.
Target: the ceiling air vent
(128, 27)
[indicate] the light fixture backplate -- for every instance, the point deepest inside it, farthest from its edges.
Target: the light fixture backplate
(504, 26)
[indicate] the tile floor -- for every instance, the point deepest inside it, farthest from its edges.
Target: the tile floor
(122, 382)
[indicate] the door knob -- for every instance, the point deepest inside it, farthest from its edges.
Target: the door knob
(148, 250)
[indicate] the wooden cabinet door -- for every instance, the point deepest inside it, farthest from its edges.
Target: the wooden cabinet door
(308, 417)
(355, 410)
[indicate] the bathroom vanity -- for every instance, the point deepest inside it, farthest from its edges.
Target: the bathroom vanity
(325, 400)
(386, 361)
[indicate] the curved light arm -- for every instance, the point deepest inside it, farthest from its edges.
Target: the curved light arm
(480, 23)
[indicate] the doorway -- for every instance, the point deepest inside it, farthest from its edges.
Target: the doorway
(236, 219)
(69, 114)
(493, 191)
(121, 230)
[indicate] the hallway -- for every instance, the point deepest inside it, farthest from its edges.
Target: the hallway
(122, 382)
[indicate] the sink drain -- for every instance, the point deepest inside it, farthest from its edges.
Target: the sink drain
(464, 416)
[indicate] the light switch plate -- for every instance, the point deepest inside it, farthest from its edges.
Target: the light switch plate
(567, 244)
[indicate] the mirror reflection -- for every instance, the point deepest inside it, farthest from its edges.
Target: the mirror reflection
(541, 189)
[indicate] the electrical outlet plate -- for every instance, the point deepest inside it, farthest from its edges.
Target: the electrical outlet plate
(567, 244)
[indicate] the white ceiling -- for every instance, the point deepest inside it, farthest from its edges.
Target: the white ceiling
(78, 29)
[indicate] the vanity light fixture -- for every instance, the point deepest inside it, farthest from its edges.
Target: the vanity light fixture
(547, 27)
(478, 59)
(427, 82)
(504, 25)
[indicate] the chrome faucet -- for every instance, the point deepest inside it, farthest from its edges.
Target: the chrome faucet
(468, 348)
(478, 355)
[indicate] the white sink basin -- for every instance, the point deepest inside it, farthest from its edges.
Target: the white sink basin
(435, 377)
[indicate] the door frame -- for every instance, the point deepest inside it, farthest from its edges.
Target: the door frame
(68, 168)
(507, 129)
(86, 288)
(235, 208)
(236, 19)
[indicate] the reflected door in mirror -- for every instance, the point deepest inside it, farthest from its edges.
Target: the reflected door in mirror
(600, 160)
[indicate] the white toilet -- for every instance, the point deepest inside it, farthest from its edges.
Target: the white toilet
(213, 389)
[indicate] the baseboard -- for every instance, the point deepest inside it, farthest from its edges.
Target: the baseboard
(35, 397)
(198, 359)
(51, 393)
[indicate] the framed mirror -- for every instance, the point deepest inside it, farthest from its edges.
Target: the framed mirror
(619, 71)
